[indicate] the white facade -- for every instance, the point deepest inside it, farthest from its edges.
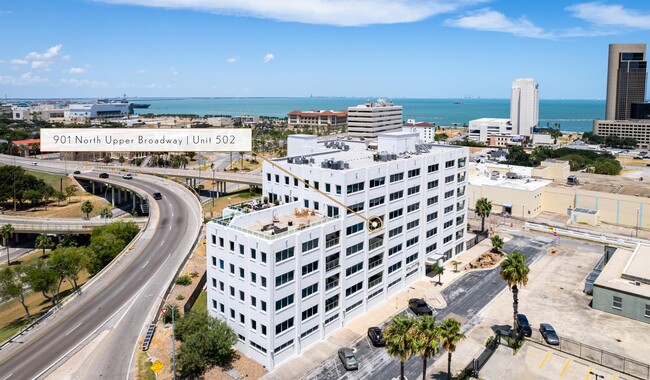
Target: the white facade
(369, 119)
(482, 129)
(97, 110)
(286, 276)
(524, 106)
(426, 131)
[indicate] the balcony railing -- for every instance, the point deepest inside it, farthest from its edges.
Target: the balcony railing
(331, 243)
(331, 285)
(225, 221)
(332, 264)
(375, 244)
(375, 263)
(373, 283)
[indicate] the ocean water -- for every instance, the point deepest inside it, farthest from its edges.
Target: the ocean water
(573, 115)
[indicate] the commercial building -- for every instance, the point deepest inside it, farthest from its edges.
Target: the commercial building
(97, 110)
(640, 111)
(426, 131)
(288, 272)
(626, 79)
(45, 112)
(318, 118)
(369, 119)
(524, 106)
(636, 129)
(623, 285)
(482, 129)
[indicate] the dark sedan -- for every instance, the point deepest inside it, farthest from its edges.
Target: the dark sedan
(523, 327)
(549, 334)
(103, 175)
(419, 307)
(376, 337)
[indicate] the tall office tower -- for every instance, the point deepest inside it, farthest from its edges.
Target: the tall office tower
(626, 79)
(524, 106)
(369, 119)
(290, 269)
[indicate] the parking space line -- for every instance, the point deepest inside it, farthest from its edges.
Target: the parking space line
(565, 367)
(545, 359)
(588, 373)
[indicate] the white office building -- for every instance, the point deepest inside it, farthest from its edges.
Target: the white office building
(287, 273)
(524, 106)
(426, 131)
(482, 129)
(97, 110)
(369, 119)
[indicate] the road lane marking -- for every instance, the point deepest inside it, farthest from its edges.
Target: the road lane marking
(163, 242)
(74, 328)
(545, 359)
(8, 376)
(565, 367)
(588, 373)
(145, 264)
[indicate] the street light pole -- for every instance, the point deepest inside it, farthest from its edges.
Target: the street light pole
(213, 187)
(637, 222)
(173, 339)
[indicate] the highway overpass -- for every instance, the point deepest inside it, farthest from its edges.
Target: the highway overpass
(60, 225)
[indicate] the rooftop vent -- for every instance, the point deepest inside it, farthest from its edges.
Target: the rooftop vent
(335, 165)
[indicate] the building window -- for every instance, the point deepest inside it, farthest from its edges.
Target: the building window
(448, 209)
(413, 190)
(332, 282)
(353, 269)
(449, 179)
(447, 239)
(232, 269)
(396, 177)
(412, 241)
(395, 231)
(283, 346)
(284, 278)
(286, 180)
(432, 201)
(377, 182)
(222, 264)
(283, 326)
(309, 331)
(258, 347)
(332, 211)
(394, 267)
(449, 164)
(448, 224)
(395, 249)
(295, 181)
(432, 216)
(354, 228)
(617, 302)
(242, 320)
(412, 224)
(395, 214)
(351, 250)
(241, 249)
(354, 289)
(232, 314)
(355, 207)
(338, 189)
(449, 194)
(396, 195)
(311, 289)
(263, 257)
(263, 280)
(412, 258)
(431, 248)
(242, 297)
(376, 201)
(432, 232)
(375, 280)
(310, 312)
(311, 267)
(328, 187)
(242, 273)
(355, 187)
(331, 303)
(231, 245)
(414, 173)
(309, 245)
(332, 261)
(285, 254)
(432, 184)
(647, 311)
(331, 319)
(214, 239)
(253, 301)
(413, 207)
(263, 330)
(433, 168)
(286, 301)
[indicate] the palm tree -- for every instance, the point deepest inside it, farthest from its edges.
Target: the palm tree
(399, 341)
(7, 231)
(426, 339)
(437, 270)
(456, 264)
(483, 209)
(44, 241)
(497, 243)
(514, 271)
(106, 213)
(87, 208)
(450, 336)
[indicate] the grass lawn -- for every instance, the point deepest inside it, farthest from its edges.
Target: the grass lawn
(144, 367)
(53, 180)
(12, 313)
(248, 165)
(201, 303)
(26, 259)
(222, 202)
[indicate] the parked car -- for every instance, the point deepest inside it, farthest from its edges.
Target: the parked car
(76, 172)
(419, 306)
(33, 163)
(376, 336)
(127, 176)
(103, 175)
(157, 195)
(549, 334)
(348, 359)
(523, 326)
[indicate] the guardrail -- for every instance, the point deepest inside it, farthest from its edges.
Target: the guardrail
(29, 327)
(225, 221)
(604, 238)
(39, 227)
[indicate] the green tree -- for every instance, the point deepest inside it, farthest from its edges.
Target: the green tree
(7, 231)
(450, 336)
(87, 208)
(33, 196)
(44, 241)
(440, 137)
(207, 342)
(514, 272)
(121, 160)
(67, 240)
(106, 159)
(497, 243)
(41, 278)
(426, 337)
(11, 286)
(456, 264)
(555, 134)
(106, 213)
(190, 155)
(59, 196)
(437, 270)
(483, 208)
(70, 191)
(67, 263)
(399, 340)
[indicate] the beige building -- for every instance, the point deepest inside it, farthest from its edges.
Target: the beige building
(636, 129)
(517, 197)
(319, 118)
(552, 169)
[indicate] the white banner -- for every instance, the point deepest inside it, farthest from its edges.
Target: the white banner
(146, 140)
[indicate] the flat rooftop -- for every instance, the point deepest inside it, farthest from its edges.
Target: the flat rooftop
(300, 219)
(636, 262)
(608, 184)
(525, 184)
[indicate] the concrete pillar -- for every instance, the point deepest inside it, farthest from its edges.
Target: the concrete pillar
(119, 196)
(113, 196)
(93, 186)
(133, 198)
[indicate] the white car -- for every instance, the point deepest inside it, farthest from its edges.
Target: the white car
(127, 176)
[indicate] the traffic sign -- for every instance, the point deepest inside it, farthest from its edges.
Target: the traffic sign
(555, 233)
(157, 366)
(163, 310)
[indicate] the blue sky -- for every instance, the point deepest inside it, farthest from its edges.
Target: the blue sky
(391, 48)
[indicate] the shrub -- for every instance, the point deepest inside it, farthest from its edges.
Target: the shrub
(184, 280)
(180, 297)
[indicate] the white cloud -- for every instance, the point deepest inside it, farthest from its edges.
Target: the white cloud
(23, 80)
(174, 71)
(83, 83)
(268, 58)
(19, 61)
(328, 12)
(610, 15)
(489, 20)
(66, 57)
(51, 53)
(41, 65)
(158, 86)
(141, 71)
(77, 70)
(232, 59)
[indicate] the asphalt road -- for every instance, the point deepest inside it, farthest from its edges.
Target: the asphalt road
(115, 293)
(465, 298)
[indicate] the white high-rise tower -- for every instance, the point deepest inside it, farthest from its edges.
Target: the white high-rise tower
(524, 106)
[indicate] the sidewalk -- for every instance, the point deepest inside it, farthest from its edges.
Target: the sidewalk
(426, 287)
